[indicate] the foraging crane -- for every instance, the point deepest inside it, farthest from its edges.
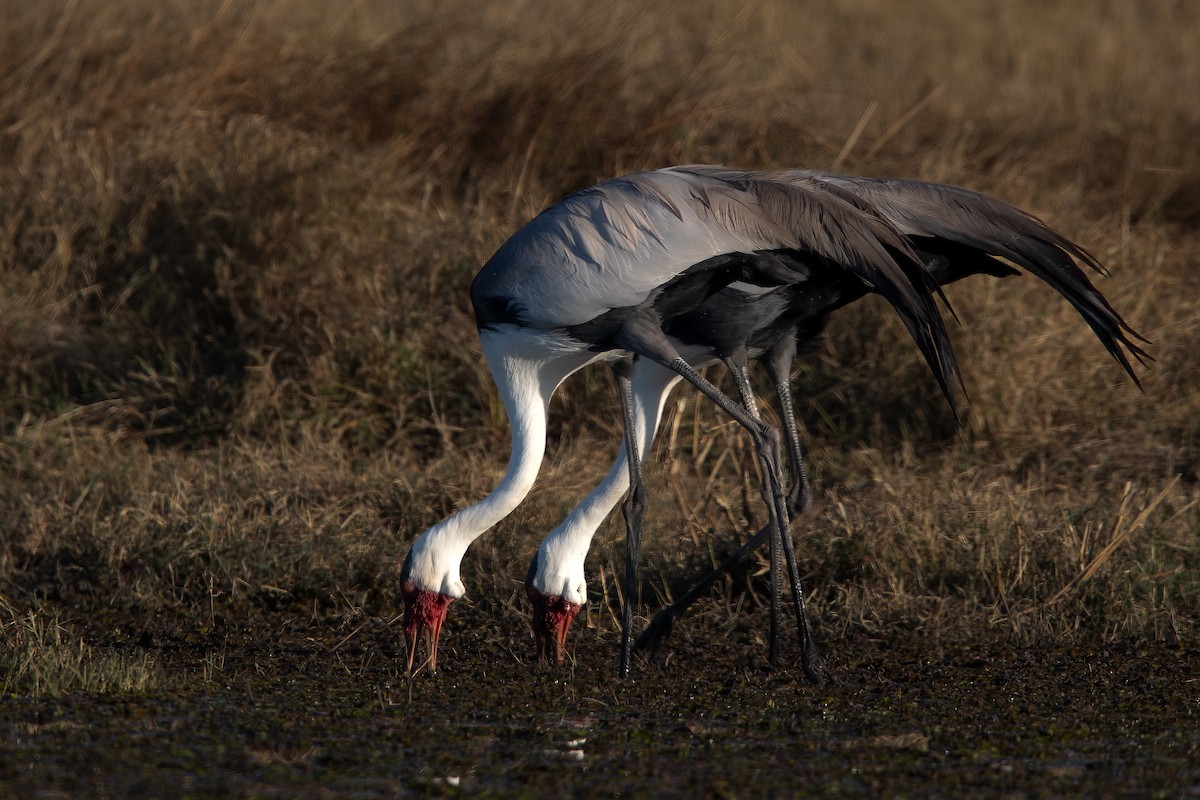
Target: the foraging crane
(955, 231)
(593, 277)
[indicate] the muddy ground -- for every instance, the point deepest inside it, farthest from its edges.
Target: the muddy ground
(290, 708)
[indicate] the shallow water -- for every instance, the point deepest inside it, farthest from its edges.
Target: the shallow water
(311, 715)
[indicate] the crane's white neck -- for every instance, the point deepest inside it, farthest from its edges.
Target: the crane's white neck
(561, 555)
(527, 367)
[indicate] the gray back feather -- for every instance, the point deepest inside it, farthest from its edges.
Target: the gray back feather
(617, 244)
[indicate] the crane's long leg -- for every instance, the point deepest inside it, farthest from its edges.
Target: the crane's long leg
(633, 509)
(766, 443)
(782, 539)
(799, 501)
(779, 365)
(643, 335)
(741, 376)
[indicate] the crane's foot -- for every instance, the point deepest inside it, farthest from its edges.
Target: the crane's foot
(815, 670)
(819, 676)
(658, 631)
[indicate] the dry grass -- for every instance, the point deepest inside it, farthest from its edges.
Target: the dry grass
(238, 365)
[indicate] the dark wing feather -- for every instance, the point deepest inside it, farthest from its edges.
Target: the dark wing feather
(991, 226)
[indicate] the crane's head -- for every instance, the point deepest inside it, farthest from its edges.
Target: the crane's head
(424, 612)
(552, 617)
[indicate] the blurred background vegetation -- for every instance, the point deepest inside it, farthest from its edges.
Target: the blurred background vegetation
(238, 366)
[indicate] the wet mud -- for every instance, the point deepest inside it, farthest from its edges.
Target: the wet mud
(284, 709)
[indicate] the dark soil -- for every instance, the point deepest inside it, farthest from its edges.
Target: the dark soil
(289, 708)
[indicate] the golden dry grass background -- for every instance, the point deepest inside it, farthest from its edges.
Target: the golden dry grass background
(238, 369)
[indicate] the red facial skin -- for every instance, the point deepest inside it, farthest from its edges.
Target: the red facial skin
(552, 617)
(424, 612)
